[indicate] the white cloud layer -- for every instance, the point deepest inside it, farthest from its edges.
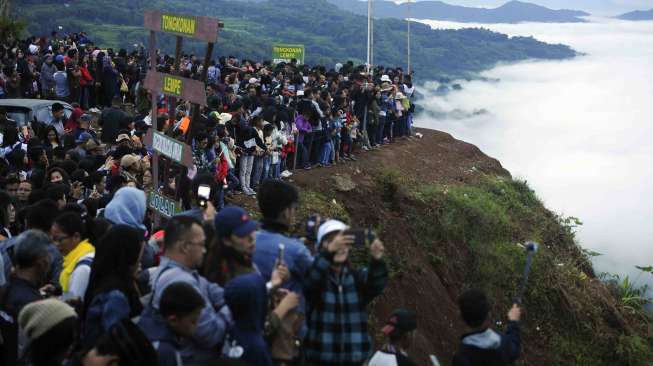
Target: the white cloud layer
(580, 131)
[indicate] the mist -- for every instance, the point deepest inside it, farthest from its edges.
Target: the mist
(579, 131)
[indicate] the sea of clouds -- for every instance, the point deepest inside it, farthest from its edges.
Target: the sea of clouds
(579, 131)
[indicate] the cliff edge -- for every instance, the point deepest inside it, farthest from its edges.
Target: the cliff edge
(452, 218)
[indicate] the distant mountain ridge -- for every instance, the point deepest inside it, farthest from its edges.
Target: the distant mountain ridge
(510, 12)
(329, 33)
(637, 15)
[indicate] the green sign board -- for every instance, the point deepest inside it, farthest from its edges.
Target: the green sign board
(167, 146)
(178, 24)
(172, 85)
(286, 52)
(163, 205)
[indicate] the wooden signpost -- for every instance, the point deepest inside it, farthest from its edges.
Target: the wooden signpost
(195, 27)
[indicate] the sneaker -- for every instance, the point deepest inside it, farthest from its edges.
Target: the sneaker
(286, 174)
(352, 157)
(365, 148)
(327, 165)
(308, 167)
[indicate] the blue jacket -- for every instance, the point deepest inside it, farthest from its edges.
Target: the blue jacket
(105, 310)
(247, 298)
(214, 320)
(163, 339)
(337, 316)
(296, 256)
(489, 348)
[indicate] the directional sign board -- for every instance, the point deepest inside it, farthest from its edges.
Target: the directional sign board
(200, 28)
(163, 205)
(176, 86)
(169, 147)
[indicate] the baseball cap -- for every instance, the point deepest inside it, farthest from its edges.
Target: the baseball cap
(401, 321)
(234, 220)
(84, 137)
(122, 137)
(86, 117)
(128, 160)
(329, 227)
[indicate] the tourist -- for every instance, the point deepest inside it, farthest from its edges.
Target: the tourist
(399, 331)
(337, 296)
(482, 345)
(112, 294)
(184, 254)
(178, 316)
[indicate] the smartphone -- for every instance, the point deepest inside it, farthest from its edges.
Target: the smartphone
(203, 194)
(312, 225)
(362, 237)
(282, 250)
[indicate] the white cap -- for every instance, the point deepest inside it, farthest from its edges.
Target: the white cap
(253, 80)
(329, 227)
(386, 78)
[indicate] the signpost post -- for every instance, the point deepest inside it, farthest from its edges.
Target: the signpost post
(195, 27)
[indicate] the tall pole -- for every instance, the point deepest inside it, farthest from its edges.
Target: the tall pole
(369, 34)
(408, 18)
(372, 42)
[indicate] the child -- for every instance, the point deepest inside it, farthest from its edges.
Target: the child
(399, 332)
(484, 346)
(337, 296)
(179, 311)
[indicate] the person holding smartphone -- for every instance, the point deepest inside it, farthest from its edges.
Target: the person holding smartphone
(337, 296)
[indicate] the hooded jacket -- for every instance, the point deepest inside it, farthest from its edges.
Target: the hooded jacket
(489, 348)
(163, 339)
(246, 296)
(127, 208)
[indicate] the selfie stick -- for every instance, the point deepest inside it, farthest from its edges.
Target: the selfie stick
(531, 248)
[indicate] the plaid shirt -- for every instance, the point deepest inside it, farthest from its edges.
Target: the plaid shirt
(337, 319)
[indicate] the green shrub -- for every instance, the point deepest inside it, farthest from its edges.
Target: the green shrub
(634, 350)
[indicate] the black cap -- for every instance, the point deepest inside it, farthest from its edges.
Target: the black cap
(401, 321)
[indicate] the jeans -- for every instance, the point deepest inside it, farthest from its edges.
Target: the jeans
(345, 142)
(325, 158)
(371, 134)
(85, 97)
(316, 147)
(379, 130)
(257, 171)
(305, 148)
(275, 171)
(232, 180)
(335, 152)
(267, 160)
(246, 165)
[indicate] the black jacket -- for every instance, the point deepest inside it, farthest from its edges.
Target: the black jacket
(489, 348)
(14, 295)
(112, 120)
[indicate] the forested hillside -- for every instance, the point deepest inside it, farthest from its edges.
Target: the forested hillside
(330, 34)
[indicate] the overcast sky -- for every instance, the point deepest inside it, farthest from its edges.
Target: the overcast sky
(601, 7)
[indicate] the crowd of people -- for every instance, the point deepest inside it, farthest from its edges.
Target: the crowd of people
(90, 278)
